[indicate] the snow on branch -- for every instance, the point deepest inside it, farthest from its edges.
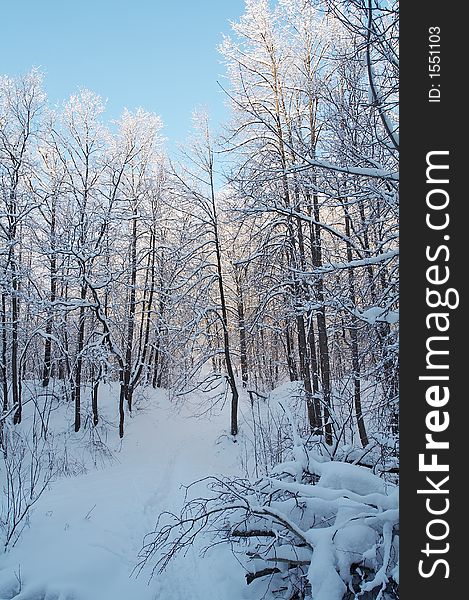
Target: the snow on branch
(374, 173)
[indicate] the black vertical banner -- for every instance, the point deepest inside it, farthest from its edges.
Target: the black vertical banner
(434, 328)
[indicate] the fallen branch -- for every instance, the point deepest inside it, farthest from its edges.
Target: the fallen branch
(252, 533)
(250, 577)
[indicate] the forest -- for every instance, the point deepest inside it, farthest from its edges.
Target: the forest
(254, 273)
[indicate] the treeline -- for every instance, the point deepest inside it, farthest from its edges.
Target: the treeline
(119, 264)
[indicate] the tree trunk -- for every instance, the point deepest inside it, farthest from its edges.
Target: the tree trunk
(224, 312)
(242, 329)
(314, 367)
(79, 362)
(4, 368)
(324, 360)
(145, 324)
(354, 343)
(46, 373)
(292, 370)
(94, 399)
(126, 388)
(16, 396)
(314, 416)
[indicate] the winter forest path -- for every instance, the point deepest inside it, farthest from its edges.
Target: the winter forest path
(86, 531)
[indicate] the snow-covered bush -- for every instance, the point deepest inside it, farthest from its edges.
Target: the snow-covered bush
(27, 465)
(40, 450)
(314, 528)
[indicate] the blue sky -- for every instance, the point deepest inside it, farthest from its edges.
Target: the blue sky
(157, 54)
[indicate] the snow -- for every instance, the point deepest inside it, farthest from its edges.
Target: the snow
(361, 262)
(338, 475)
(352, 170)
(86, 531)
(376, 313)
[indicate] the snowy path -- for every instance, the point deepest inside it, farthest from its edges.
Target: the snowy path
(86, 531)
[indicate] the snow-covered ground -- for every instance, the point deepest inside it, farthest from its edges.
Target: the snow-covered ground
(85, 531)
